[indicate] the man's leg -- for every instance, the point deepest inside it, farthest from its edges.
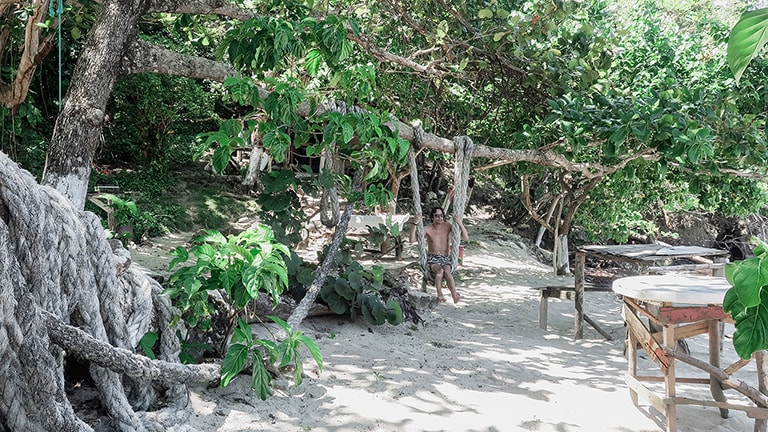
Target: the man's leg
(438, 272)
(451, 283)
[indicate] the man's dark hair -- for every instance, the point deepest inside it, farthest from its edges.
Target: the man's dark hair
(434, 210)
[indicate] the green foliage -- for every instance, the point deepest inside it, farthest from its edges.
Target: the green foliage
(384, 231)
(156, 130)
(23, 136)
(267, 352)
(747, 301)
(130, 222)
(358, 291)
(240, 265)
(280, 207)
(147, 342)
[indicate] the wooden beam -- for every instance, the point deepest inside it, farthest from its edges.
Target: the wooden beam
(651, 345)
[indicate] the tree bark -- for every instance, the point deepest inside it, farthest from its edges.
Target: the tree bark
(78, 127)
(112, 51)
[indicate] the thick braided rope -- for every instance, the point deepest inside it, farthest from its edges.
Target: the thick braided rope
(42, 221)
(464, 148)
(418, 136)
(30, 393)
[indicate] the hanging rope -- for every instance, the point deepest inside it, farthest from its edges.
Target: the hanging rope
(59, 10)
(418, 136)
(464, 149)
(329, 200)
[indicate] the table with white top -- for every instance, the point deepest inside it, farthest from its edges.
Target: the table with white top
(681, 306)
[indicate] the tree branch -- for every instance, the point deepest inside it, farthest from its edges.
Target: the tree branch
(202, 7)
(144, 56)
(34, 50)
(86, 347)
(388, 57)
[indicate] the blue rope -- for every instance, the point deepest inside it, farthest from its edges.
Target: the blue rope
(51, 12)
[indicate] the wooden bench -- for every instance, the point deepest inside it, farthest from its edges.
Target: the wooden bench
(567, 292)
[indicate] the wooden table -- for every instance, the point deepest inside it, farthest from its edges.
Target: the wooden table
(681, 306)
(646, 256)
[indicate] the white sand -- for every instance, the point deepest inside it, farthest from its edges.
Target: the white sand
(480, 365)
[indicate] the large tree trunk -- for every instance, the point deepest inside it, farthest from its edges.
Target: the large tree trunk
(78, 127)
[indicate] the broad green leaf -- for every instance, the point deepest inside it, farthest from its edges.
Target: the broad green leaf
(394, 312)
(260, 379)
(204, 252)
(234, 361)
(377, 310)
(313, 61)
(285, 353)
(298, 371)
(485, 13)
(314, 350)
(731, 303)
(751, 329)
(147, 342)
(747, 38)
(748, 279)
(242, 333)
(347, 132)
(181, 255)
(221, 159)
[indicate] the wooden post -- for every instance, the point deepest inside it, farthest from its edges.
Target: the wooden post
(719, 271)
(761, 361)
(715, 387)
(631, 351)
(579, 298)
(670, 407)
(543, 306)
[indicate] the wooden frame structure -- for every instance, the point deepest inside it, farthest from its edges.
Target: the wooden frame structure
(676, 322)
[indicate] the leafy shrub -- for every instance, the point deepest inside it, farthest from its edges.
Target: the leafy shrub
(130, 222)
(286, 351)
(242, 266)
(358, 291)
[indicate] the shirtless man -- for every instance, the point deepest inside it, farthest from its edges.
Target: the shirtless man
(439, 250)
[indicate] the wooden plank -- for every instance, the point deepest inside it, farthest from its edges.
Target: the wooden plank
(655, 400)
(752, 411)
(686, 331)
(685, 267)
(686, 380)
(595, 326)
(677, 315)
(646, 340)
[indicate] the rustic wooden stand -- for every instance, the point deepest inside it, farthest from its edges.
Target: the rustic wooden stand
(645, 256)
(683, 306)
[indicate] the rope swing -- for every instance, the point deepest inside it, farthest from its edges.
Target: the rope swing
(464, 148)
(418, 136)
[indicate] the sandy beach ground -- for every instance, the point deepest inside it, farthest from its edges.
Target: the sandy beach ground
(480, 365)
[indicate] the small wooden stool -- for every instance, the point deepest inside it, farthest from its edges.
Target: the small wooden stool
(566, 292)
